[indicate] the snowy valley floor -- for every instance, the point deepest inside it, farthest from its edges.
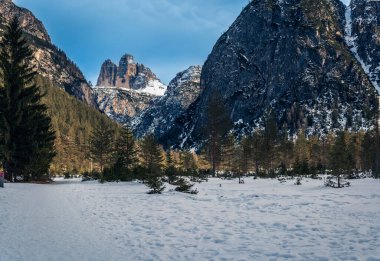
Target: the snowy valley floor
(259, 220)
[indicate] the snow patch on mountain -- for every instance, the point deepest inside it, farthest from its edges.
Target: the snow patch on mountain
(350, 39)
(154, 87)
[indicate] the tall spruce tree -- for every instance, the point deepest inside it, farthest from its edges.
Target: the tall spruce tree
(170, 170)
(125, 149)
(152, 160)
(218, 124)
(257, 139)
(27, 138)
(102, 145)
(228, 152)
(270, 141)
(341, 158)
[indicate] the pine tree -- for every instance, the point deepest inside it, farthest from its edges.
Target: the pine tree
(257, 153)
(102, 145)
(228, 152)
(368, 151)
(341, 159)
(270, 141)
(286, 149)
(27, 139)
(185, 186)
(218, 124)
(246, 153)
(125, 151)
(170, 170)
(151, 155)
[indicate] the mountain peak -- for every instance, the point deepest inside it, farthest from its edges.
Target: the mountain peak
(130, 75)
(29, 22)
(127, 59)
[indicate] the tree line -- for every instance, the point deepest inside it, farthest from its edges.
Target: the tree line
(270, 151)
(31, 136)
(125, 159)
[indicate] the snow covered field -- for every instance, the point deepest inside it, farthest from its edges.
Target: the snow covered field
(259, 220)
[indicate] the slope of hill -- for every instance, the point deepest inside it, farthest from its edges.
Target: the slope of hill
(50, 61)
(288, 58)
(73, 122)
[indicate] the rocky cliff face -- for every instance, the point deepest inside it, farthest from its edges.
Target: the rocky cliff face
(363, 36)
(182, 91)
(122, 105)
(124, 91)
(288, 58)
(32, 25)
(50, 61)
(131, 76)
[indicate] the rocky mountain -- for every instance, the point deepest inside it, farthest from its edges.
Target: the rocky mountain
(289, 59)
(182, 91)
(50, 61)
(363, 36)
(124, 91)
(130, 76)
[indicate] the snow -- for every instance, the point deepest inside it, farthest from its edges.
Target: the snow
(258, 220)
(351, 42)
(154, 87)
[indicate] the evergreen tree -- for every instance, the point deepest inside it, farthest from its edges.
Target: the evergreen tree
(241, 159)
(185, 186)
(125, 152)
(286, 150)
(188, 162)
(218, 124)
(170, 170)
(228, 152)
(257, 153)
(270, 141)
(246, 153)
(151, 155)
(102, 145)
(27, 139)
(368, 151)
(341, 159)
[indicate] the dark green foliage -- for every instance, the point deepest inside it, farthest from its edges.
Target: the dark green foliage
(301, 166)
(140, 173)
(155, 184)
(124, 158)
(218, 124)
(341, 157)
(151, 156)
(270, 140)
(93, 175)
(73, 122)
(185, 186)
(171, 171)
(102, 145)
(125, 150)
(27, 138)
(187, 161)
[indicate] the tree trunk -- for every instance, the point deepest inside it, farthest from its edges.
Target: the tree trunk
(213, 168)
(257, 167)
(338, 181)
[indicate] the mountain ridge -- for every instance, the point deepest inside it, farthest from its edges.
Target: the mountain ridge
(288, 58)
(50, 61)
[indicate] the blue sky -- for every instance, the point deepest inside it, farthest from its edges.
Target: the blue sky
(165, 35)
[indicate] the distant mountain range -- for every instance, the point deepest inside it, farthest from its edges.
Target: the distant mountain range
(313, 64)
